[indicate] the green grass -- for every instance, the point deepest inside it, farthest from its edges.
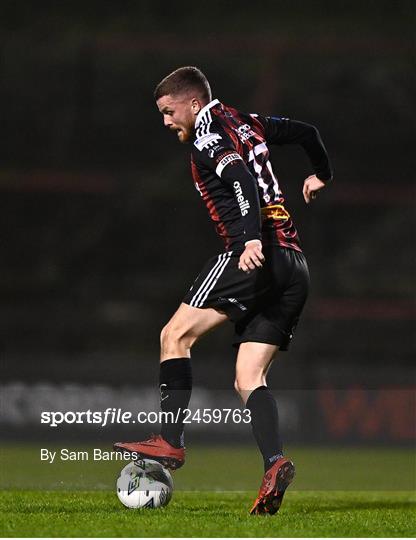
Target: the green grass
(357, 492)
(51, 514)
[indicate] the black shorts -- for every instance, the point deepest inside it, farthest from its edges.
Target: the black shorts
(265, 304)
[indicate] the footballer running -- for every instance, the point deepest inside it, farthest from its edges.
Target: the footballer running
(259, 282)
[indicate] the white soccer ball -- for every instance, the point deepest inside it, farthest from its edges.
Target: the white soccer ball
(144, 483)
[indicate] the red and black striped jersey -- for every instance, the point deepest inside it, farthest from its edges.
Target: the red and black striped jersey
(233, 174)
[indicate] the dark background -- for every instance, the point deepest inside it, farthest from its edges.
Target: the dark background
(103, 231)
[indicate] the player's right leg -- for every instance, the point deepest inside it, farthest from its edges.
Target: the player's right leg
(186, 326)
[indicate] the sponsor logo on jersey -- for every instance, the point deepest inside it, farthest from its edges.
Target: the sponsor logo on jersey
(244, 132)
(243, 203)
(207, 140)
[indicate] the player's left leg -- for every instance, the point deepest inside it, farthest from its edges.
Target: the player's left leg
(253, 362)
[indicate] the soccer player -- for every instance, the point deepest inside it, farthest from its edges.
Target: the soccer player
(260, 281)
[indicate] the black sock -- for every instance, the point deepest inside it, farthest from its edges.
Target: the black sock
(265, 424)
(175, 383)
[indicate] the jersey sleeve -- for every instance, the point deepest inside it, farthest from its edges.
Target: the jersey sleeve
(216, 152)
(244, 186)
(280, 131)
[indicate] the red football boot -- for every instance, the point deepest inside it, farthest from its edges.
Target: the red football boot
(155, 448)
(275, 482)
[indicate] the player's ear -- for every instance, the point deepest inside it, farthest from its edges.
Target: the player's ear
(195, 106)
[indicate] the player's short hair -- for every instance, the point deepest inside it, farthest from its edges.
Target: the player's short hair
(183, 81)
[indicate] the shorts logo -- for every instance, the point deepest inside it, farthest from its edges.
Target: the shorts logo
(243, 203)
(237, 303)
(233, 301)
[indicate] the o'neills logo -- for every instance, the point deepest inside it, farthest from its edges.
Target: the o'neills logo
(243, 203)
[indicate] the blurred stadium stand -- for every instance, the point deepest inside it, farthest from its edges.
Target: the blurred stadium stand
(103, 231)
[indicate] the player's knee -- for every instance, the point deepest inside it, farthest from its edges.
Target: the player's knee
(169, 337)
(174, 338)
(248, 381)
(241, 384)
(243, 389)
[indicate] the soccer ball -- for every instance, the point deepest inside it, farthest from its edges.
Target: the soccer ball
(144, 483)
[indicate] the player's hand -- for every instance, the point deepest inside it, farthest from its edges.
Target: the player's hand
(252, 257)
(311, 186)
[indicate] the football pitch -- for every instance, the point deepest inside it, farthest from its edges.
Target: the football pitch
(337, 492)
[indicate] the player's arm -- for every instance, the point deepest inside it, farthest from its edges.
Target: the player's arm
(237, 176)
(227, 163)
(285, 131)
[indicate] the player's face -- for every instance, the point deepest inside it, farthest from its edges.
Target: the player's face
(179, 115)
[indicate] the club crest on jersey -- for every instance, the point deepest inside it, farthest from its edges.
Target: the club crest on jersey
(243, 203)
(244, 132)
